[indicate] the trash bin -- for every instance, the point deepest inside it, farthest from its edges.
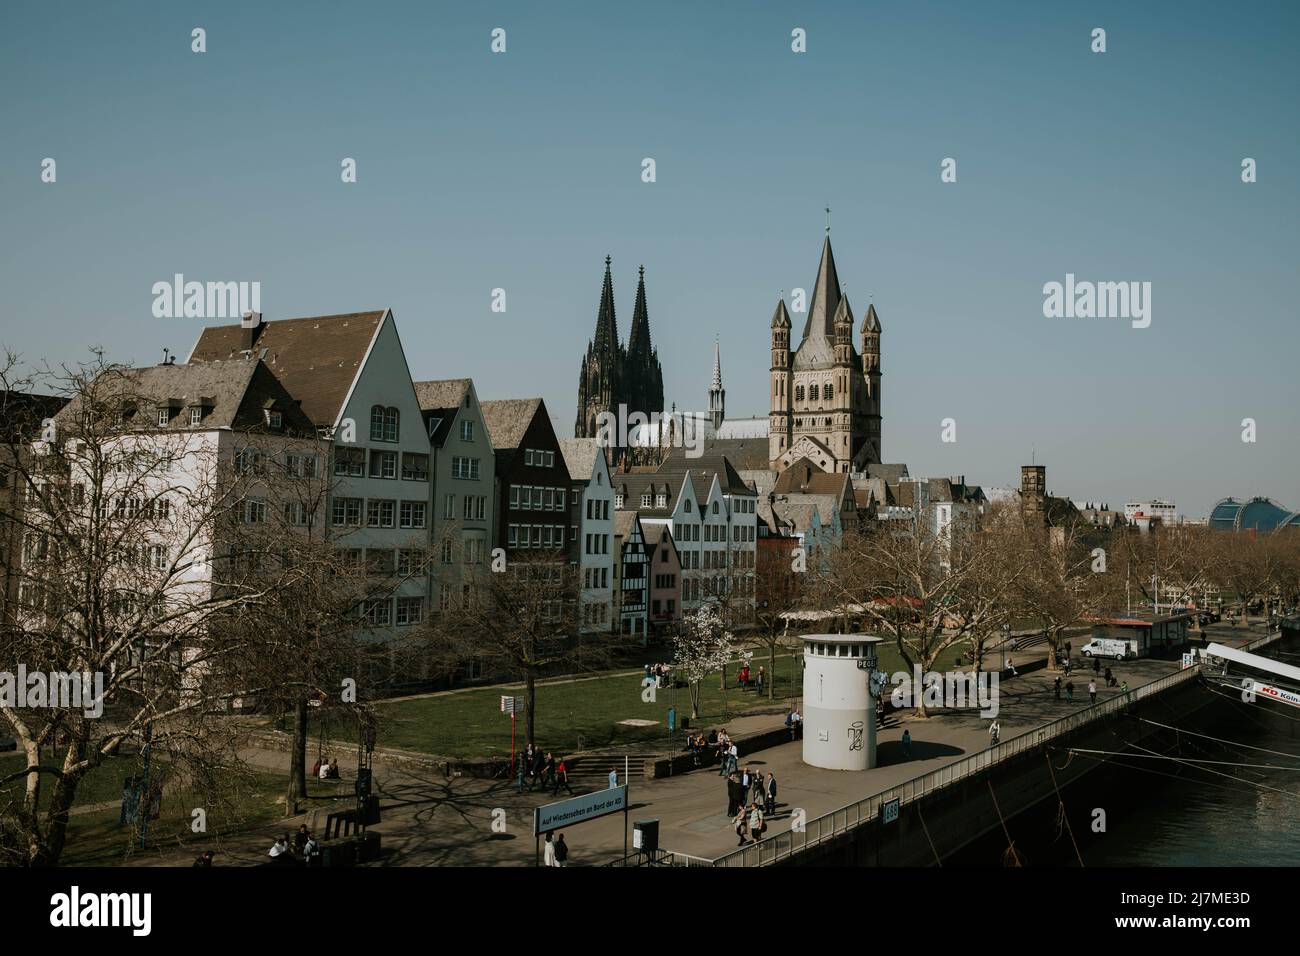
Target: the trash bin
(645, 836)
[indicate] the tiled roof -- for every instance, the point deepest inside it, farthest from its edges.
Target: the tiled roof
(746, 454)
(580, 456)
(507, 419)
(703, 468)
(235, 394)
(317, 358)
(810, 480)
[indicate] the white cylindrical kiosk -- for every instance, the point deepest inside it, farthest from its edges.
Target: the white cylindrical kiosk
(839, 719)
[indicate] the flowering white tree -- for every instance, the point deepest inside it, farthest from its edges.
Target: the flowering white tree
(701, 647)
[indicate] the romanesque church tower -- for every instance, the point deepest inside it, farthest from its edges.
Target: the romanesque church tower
(612, 375)
(825, 397)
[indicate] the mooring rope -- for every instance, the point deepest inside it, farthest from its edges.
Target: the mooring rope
(1061, 803)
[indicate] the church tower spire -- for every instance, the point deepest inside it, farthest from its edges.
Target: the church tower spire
(717, 394)
(643, 377)
(600, 386)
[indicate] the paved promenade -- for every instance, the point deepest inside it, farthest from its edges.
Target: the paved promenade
(429, 819)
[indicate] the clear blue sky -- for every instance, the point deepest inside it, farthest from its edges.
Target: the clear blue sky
(522, 171)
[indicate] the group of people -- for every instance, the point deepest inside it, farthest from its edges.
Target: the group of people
(535, 767)
(749, 786)
(304, 850)
(1068, 687)
(325, 770)
(656, 674)
(794, 724)
(555, 852)
(747, 678)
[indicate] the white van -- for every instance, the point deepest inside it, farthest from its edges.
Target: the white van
(1109, 647)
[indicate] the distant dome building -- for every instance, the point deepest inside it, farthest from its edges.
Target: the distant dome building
(1257, 514)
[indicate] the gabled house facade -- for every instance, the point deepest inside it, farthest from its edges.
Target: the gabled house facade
(592, 496)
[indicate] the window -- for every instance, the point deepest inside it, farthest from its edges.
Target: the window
(661, 501)
(249, 460)
(449, 506)
(548, 499)
(274, 419)
(410, 562)
(196, 415)
(412, 514)
(537, 499)
(296, 513)
(618, 503)
(254, 511)
(379, 513)
(798, 393)
(347, 511)
(465, 468)
(378, 612)
(446, 551)
(350, 462)
(550, 459)
(410, 610)
(379, 561)
(645, 501)
(444, 599)
(164, 416)
(828, 391)
(528, 457)
(514, 496)
(512, 536)
(383, 464)
(415, 467)
(466, 431)
(688, 506)
(812, 393)
(559, 499)
(383, 423)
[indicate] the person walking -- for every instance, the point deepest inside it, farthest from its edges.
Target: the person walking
(733, 794)
(740, 822)
(756, 823)
(562, 779)
(995, 731)
(1056, 687)
(1069, 691)
(561, 850)
(733, 754)
(756, 789)
(770, 802)
(1096, 665)
(907, 745)
(1011, 666)
(761, 676)
(1092, 691)
(548, 852)
(1110, 678)
(549, 780)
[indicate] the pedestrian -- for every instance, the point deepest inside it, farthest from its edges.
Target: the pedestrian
(761, 676)
(995, 731)
(1056, 687)
(1110, 678)
(733, 794)
(561, 850)
(550, 780)
(770, 803)
(539, 768)
(311, 851)
(613, 778)
(756, 822)
(562, 779)
(1011, 666)
(1096, 665)
(300, 839)
(907, 745)
(1092, 691)
(756, 789)
(548, 852)
(733, 754)
(739, 820)
(1069, 691)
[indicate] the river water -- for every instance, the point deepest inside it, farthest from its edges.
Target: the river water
(1161, 813)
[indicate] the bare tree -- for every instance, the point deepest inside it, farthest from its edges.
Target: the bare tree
(138, 573)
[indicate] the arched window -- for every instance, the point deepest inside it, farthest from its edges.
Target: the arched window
(798, 393)
(812, 393)
(829, 392)
(383, 423)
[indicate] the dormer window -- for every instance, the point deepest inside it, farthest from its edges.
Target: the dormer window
(274, 419)
(164, 416)
(661, 501)
(196, 415)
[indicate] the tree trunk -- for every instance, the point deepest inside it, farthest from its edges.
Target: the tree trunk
(695, 700)
(1053, 642)
(47, 851)
(297, 759)
(771, 671)
(530, 682)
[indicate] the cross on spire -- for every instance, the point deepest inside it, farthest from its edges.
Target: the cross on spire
(828, 220)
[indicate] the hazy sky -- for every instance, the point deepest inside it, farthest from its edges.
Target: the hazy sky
(522, 171)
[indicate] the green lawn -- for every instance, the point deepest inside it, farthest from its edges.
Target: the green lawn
(95, 839)
(576, 715)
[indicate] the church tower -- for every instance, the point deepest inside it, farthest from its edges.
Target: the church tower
(778, 428)
(717, 394)
(871, 377)
(600, 380)
(642, 374)
(822, 391)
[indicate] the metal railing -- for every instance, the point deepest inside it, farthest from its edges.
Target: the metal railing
(830, 825)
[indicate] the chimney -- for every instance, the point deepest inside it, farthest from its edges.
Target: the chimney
(251, 326)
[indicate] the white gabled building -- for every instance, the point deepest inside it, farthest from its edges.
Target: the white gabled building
(593, 499)
(350, 377)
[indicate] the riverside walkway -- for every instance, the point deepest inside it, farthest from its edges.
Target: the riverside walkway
(429, 819)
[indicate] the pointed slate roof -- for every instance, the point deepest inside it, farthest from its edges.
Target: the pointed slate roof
(638, 343)
(780, 318)
(717, 366)
(605, 341)
(870, 323)
(825, 297)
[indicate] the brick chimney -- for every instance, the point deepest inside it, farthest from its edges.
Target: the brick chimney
(251, 326)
